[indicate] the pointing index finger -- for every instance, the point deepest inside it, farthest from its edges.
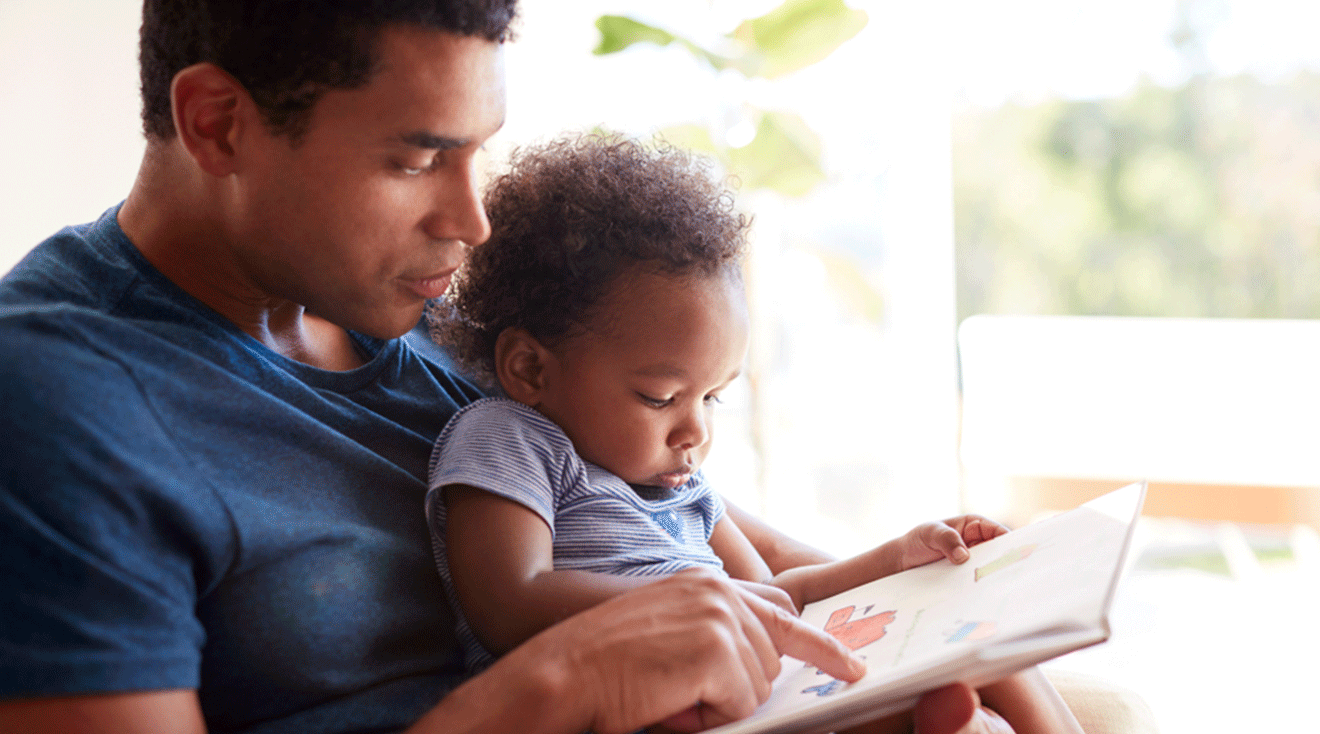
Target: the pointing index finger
(795, 638)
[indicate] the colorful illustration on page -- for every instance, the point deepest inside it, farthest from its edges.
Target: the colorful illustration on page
(825, 689)
(972, 631)
(1004, 561)
(858, 633)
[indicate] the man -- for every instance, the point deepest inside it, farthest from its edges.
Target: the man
(215, 443)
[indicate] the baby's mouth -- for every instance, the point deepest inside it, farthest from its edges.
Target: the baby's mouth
(673, 479)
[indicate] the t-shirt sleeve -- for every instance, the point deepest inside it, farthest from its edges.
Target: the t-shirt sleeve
(712, 505)
(100, 578)
(506, 449)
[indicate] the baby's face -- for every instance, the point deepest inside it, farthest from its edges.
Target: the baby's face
(637, 391)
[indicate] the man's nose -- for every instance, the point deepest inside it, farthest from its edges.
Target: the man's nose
(457, 212)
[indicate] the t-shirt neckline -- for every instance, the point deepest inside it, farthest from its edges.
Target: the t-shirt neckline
(377, 352)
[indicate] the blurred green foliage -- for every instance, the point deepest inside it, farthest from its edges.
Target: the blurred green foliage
(1201, 200)
(784, 154)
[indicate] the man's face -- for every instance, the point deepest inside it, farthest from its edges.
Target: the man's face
(369, 215)
(635, 393)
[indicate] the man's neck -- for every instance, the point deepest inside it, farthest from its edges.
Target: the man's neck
(173, 218)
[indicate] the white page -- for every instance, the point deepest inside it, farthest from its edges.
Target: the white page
(1024, 597)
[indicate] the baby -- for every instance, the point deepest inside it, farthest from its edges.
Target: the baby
(608, 307)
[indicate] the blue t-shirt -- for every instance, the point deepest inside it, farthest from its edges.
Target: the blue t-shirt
(181, 507)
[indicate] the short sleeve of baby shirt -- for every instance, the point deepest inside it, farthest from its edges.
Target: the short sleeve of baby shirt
(507, 449)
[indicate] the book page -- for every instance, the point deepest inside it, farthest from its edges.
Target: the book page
(1038, 588)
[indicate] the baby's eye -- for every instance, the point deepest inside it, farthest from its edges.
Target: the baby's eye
(713, 399)
(654, 402)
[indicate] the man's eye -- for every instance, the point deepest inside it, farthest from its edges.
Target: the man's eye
(654, 402)
(408, 170)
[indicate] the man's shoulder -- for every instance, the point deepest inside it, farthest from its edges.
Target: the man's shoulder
(71, 344)
(84, 265)
(62, 384)
(46, 339)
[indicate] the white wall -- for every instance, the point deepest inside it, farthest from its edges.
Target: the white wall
(69, 133)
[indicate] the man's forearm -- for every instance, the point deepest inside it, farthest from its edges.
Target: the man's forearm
(640, 658)
(526, 691)
(525, 607)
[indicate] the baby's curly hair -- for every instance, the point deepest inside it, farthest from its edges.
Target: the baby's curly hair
(568, 219)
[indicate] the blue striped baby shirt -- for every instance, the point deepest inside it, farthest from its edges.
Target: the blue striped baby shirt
(598, 522)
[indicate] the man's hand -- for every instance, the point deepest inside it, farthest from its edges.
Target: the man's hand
(950, 539)
(698, 639)
(694, 651)
(956, 709)
(772, 594)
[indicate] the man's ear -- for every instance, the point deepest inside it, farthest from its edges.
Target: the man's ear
(522, 365)
(208, 104)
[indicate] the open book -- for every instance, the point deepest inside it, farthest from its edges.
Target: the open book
(1022, 598)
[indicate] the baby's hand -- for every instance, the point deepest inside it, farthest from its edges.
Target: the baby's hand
(950, 539)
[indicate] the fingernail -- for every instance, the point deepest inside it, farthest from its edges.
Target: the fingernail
(857, 665)
(960, 555)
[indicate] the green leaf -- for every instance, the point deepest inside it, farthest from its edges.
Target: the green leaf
(784, 156)
(796, 34)
(618, 32)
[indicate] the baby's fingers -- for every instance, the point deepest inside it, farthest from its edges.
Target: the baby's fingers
(977, 529)
(947, 541)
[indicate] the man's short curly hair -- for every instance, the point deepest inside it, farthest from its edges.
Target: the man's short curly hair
(568, 219)
(288, 53)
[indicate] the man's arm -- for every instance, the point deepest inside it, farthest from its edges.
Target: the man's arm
(693, 650)
(151, 712)
(693, 646)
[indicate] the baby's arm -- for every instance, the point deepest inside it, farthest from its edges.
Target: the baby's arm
(741, 561)
(501, 558)
(921, 545)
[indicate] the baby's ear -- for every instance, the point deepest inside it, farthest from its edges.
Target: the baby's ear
(520, 365)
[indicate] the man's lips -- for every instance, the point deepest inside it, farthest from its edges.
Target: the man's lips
(431, 286)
